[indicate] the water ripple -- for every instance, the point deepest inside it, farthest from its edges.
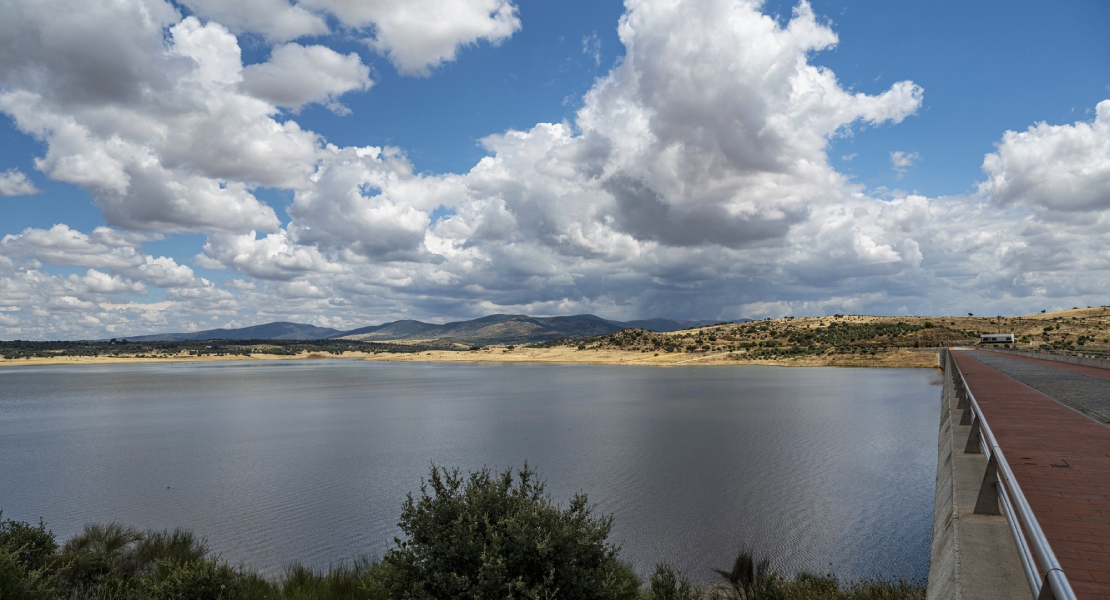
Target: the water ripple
(298, 461)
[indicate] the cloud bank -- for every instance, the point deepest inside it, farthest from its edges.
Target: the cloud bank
(693, 181)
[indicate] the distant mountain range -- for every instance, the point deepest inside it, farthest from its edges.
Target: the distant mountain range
(269, 331)
(494, 329)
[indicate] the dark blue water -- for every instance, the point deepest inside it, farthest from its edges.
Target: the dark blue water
(816, 468)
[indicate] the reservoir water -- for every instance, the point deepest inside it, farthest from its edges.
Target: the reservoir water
(272, 462)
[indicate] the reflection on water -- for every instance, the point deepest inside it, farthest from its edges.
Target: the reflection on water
(817, 468)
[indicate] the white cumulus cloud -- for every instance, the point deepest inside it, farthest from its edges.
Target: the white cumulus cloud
(105, 249)
(1048, 168)
(276, 20)
(152, 125)
(14, 183)
(416, 35)
(901, 161)
(296, 75)
(98, 282)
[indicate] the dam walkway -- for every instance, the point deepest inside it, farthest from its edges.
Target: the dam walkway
(1052, 423)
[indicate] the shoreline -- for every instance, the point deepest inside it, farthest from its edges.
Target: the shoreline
(904, 358)
(135, 360)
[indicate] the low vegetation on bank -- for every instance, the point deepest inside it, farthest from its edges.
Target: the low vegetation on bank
(481, 536)
(858, 339)
(781, 338)
(837, 340)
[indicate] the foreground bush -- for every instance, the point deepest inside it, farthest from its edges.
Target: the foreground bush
(485, 536)
(490, 536)
(115, 562)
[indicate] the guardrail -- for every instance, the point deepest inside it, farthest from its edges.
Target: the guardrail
(1085, 360)
(1000, 488)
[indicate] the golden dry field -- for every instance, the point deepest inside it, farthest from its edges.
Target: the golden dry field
(837, 340)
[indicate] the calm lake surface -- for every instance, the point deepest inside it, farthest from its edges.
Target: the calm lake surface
(816, 468)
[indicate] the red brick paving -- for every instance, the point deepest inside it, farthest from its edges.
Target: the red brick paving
(1072, 504)
(1098, 372)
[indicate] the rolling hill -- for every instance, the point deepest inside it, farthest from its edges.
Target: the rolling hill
(509, 329)
(269, 331)
(492, 329)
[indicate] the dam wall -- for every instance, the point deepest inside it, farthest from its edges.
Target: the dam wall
(971, 556)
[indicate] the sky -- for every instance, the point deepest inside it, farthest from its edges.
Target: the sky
(213, 163)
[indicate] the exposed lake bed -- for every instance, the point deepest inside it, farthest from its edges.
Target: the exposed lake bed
(310, 460)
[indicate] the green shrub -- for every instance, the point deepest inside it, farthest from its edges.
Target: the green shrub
(827, 587)
(359, 581)
(495, 536)
(749, 578)
(668, 583)
(18, 582)
(168, 547)
(97, 558)
(204, 580)
(30, 545)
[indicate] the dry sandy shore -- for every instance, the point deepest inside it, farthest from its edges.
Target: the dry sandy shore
(181, 358)
(923, 358)
(567, 355)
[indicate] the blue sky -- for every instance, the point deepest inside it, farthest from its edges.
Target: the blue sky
(727, 195)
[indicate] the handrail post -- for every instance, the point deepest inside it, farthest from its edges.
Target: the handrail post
(1047, 593)
(972, 446)
(987, 501)
(965, 417)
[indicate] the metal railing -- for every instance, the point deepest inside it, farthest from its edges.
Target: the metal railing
(1086, 359)
(1000, 488)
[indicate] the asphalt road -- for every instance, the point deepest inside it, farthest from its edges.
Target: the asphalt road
(1086, 394)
